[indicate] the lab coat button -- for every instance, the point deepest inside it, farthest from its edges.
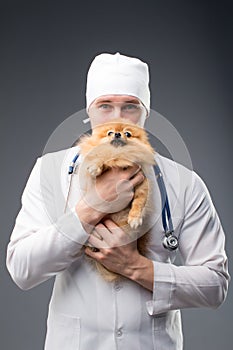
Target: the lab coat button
(117, 287)
(119, 332)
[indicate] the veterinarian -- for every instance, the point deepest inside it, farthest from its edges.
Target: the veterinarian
(141, 310)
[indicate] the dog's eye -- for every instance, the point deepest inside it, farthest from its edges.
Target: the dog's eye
(128, 134)
(110, 133)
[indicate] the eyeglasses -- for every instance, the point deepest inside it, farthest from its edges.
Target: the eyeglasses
(116, 109)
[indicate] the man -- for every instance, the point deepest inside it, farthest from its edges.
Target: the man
(141, 310)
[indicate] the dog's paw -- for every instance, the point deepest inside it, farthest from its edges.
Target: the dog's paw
(134, 221)
(94, 170)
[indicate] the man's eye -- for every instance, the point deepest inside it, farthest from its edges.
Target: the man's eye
(110, 133)
(105, 106)
(130, 107)
(128, 134)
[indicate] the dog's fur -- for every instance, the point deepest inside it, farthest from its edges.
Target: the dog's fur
(103, 150)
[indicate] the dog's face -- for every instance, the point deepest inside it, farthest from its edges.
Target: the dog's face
(120, 133)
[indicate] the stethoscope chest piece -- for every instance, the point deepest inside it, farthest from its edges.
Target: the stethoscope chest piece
(170, 241)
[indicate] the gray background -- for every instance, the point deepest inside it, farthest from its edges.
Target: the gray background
(46, 48)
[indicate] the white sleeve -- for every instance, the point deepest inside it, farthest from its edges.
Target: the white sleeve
(40, 247)
(202, 280)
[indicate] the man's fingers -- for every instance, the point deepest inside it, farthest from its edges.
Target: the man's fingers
(97, 243)
(130, 183)
(101, 237)
(93, 254)
(136, 170)
(111, 226)
(108, 235)
(137, 179)
(132, 171)
(127, 173)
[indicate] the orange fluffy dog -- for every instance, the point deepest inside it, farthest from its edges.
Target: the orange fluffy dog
(121, 143)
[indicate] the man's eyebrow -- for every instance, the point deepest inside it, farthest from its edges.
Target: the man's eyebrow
(128, 101)
(133, 101)
(104, 101)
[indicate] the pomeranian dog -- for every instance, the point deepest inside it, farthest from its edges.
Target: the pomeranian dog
(120, 143)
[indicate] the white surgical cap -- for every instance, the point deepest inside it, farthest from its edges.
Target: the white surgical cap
(116, 74)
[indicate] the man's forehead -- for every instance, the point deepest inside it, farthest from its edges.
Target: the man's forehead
(117, 98)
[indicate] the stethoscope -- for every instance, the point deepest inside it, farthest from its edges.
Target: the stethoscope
(170, 241)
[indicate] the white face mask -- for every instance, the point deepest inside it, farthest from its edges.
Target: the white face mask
(106, 109)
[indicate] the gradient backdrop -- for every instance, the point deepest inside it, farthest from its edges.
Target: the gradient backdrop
(46, 48)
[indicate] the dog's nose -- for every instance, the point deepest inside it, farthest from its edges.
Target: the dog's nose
(117, 135)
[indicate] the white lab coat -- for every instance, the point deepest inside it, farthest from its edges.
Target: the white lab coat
(85, 311)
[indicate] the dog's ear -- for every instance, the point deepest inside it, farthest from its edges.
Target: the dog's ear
(75, 143)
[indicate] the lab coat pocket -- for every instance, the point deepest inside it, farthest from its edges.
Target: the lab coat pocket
(63, 332)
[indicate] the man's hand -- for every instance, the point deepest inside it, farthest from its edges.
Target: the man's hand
(118, 253)
(111, 192)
